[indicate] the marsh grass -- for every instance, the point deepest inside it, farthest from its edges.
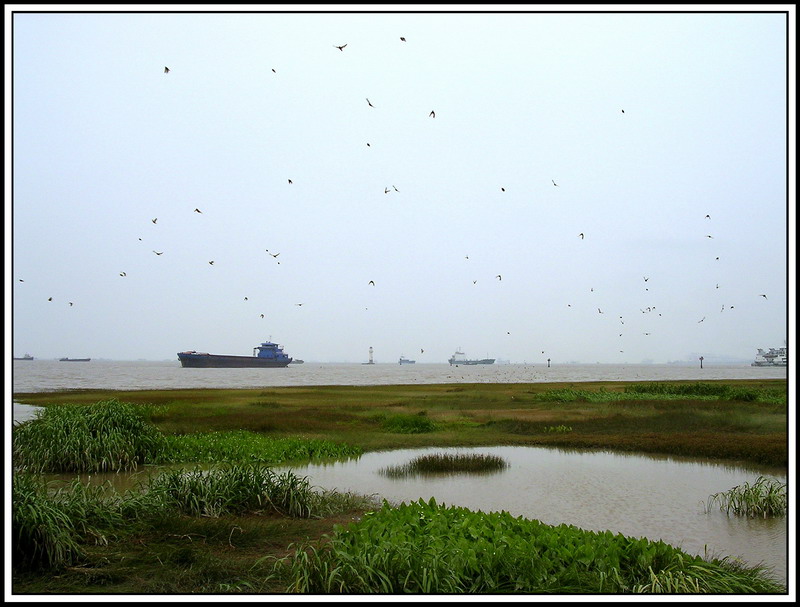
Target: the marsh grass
(424, 547)
(53, 528)
(246, 446)
(108, 436)
(406, 423)
(765, 497)
(447, 463)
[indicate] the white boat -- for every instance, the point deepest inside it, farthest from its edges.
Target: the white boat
(774, 357)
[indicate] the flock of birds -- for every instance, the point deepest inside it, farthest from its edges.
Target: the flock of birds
(393, 188)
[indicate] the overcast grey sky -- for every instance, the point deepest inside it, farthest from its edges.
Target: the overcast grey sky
(424, 156)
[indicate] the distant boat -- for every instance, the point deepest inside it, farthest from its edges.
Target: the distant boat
(405, 361)
(459, 359)
(269, 354)
(775, 357)
(26, 357)
(296, 361)
(75, 360)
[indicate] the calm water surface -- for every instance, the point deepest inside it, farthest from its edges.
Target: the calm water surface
(640, 496)
(661, 498)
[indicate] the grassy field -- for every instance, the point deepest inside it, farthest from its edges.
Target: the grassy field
(236, 552)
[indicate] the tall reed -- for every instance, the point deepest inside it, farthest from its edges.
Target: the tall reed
(447, 463)
(766, 497)
(108, 436)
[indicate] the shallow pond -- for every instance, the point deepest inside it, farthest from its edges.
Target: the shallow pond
(636, 495)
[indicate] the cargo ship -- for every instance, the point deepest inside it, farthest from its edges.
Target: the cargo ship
(460, 359)
(268, 354)
(26, 357)
(74, 360)
(405, 361)
(774, 357)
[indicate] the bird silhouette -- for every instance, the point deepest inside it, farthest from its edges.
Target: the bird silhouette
(122, 274)
(211, 263)
(395, 189)
(298, 304)
(290, 181)
(432, 114)
(646, 278)
(158, 253)
(709, 236)
(701, 320)
(764, 296)
(371, 282)
(502, 189)
(154, 220)
(554, 183)
(623, 111)
(421, 351)
(245, 298)
(369, 103)
(198, 211)
(273, 71)
(71, 304)
(274, 254)
(599, 311)
(166, 70)
(474, 282)
(498, 277)
(385, 190)
(708, 217)
(581, 235)
(49, 299)
(403, 39)
(341, 48)
(262, 316)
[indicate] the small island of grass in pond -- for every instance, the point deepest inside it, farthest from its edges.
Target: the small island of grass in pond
(447, 463)
(766, 497)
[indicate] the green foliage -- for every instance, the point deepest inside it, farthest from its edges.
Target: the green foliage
(244, 446)
(403, 423)
(766, 497)
(428, 548)
(106, 436)
(701, 389)
(447, 463)
(233, 489)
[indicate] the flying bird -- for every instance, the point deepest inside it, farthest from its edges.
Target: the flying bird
(502, 189)
(290, 181)
(274, 254)
(701, 320)
(369, 103)
(554, 183)
(709, 236)
(498, 277)
(708, 216)
(385, 190)
(158, 253)
(764, 296)
(371, 282)
(273, 70)
(403, 39)
(70, 303)
(395, 189)
(198, 211)
(49, 299)
(154, 220)
(166, 70)
(599, 311)
(623, 111)
(262, 316)
(341, 48)
(298, 304)
(211, 263)
(581, 235)
(122, 274)
(432, 114)
(646, 278)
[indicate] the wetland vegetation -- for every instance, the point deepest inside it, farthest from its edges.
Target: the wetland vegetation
(241, 528)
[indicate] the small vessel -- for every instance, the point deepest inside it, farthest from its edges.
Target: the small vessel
(74, 360)
(296, 361)
(774, 357)
(405, 361)
(26, 357)
(268, 354)
(460, 359)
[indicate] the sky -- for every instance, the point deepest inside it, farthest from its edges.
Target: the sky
(605, 186)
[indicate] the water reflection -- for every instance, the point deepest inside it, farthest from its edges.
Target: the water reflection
(655, 497)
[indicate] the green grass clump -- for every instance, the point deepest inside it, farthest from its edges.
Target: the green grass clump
(428, 548)
(109, 436)
(703, 389)
(766, 497)
(447, 463)
(234, 489)
(244, 446)
(404, 423)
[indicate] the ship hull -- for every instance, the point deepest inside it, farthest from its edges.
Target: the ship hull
(483, 361)
(224, 361)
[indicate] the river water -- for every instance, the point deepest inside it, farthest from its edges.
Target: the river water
(641, 496)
